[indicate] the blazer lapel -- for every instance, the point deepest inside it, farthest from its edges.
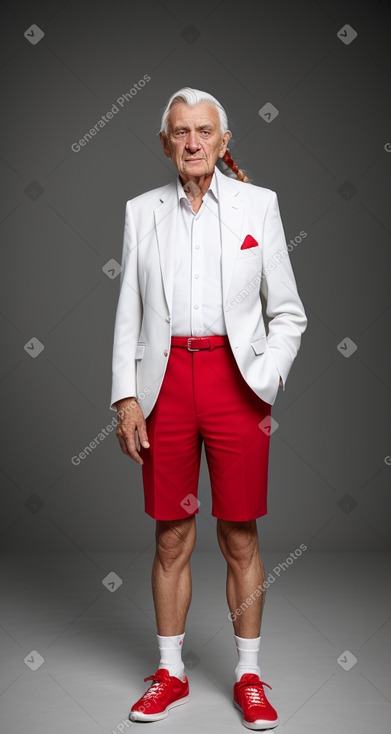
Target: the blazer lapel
(165, 222)
(231, 209)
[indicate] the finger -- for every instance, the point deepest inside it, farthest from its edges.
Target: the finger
(122, 443)
(131, 450)
(137, 440)
(143, 436)
(128, 447)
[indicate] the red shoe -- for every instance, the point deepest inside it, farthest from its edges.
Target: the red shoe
(164, 693)
(250, 699)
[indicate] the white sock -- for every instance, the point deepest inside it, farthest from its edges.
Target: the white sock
(248, 650)
(171, 654)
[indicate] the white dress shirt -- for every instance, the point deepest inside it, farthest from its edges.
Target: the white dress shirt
(197, 307)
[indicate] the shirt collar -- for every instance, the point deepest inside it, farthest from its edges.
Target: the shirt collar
(211, 190)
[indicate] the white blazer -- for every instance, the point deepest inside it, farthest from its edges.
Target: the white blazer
(142, 333)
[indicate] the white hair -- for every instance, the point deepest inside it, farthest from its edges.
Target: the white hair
(193, 96)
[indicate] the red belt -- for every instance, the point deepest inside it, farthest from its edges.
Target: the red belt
(195, 343)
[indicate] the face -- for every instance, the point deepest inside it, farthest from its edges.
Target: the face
(195, 140)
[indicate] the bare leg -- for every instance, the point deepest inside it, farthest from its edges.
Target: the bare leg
(171, 575)
(245, 574)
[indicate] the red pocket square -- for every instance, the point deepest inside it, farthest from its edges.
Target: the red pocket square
(249, 242)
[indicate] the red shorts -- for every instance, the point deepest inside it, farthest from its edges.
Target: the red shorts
(204, 398)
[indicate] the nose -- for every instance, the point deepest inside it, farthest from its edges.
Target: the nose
(192, 142)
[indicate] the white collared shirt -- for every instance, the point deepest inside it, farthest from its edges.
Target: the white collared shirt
(197, 306)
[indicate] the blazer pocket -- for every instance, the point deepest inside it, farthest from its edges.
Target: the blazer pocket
(140, 349)
(249, 252)
(259, 345)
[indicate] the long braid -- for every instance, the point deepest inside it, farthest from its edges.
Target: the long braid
(229, 161)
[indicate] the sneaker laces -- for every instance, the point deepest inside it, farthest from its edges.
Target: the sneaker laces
(254, 692)
(159, 682)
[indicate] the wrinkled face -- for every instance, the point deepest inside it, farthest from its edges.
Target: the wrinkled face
(194, 141)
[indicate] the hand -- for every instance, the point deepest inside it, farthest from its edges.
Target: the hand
(132, 429)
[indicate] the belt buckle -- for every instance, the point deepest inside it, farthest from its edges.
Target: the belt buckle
(188, 344)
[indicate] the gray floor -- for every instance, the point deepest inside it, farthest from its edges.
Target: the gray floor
(98, 645)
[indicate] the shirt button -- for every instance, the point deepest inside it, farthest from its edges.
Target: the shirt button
(196, 306)
(196, 275)
(197, 247)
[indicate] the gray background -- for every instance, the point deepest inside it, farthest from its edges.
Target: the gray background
(74, 654)
(329, 477)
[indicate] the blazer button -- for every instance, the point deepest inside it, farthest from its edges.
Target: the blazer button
(165, 353)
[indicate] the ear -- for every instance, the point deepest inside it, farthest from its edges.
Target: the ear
(224, 144)
(165, 145)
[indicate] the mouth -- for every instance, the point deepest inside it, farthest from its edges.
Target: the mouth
(194, 160)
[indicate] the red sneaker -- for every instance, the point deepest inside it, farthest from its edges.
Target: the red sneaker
(250, 699)
(164, 693)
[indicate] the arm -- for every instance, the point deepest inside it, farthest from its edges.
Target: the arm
(128, 317)
(278, 287)
(131, 428)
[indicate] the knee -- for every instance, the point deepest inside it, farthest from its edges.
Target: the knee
(238, 542)
(174, 541)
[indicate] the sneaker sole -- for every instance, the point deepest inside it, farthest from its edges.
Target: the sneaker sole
(259, 723)
(140, 716)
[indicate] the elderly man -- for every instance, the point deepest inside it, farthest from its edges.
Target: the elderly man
(192, 363)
